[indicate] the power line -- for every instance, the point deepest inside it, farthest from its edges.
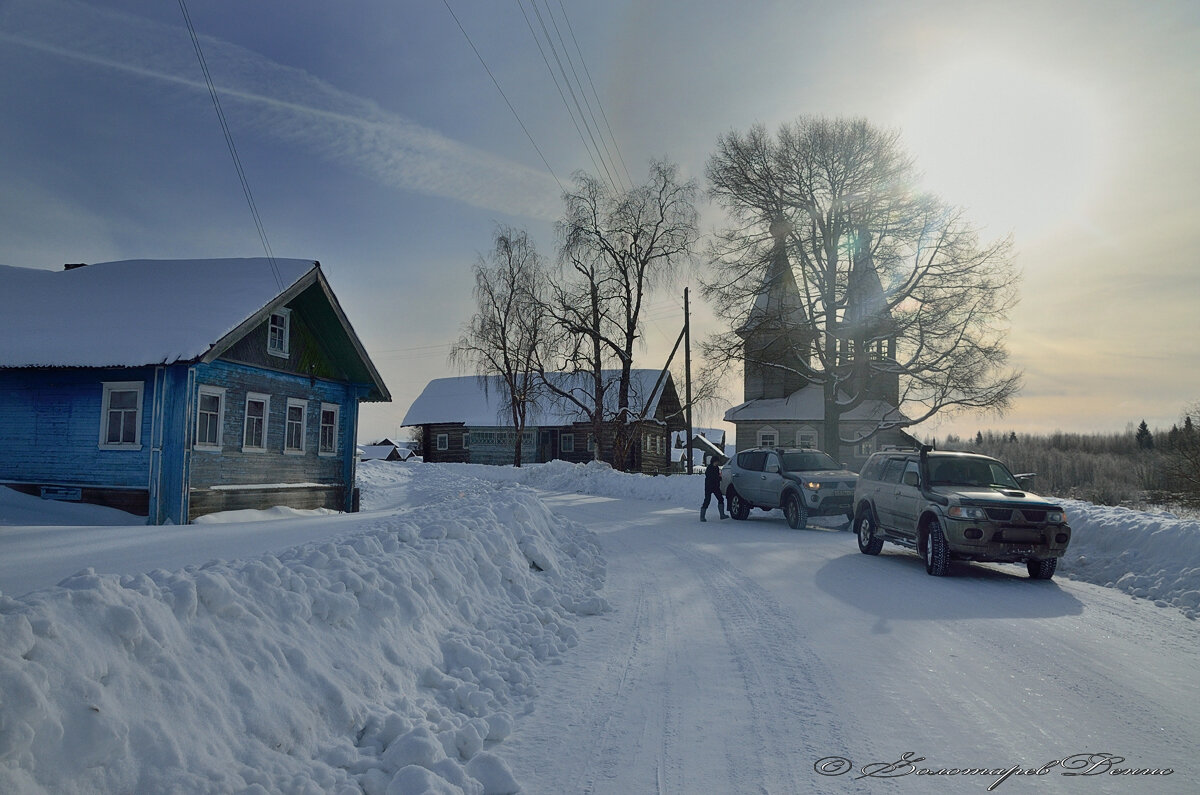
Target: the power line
(561, 95)
(237, 162)
(599, 104)
(603, 165)
(502, 94)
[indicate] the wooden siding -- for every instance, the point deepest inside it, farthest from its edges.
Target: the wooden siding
(204, 501)
(50, 428)
(306, 355)
(455, 452)
(230, 465)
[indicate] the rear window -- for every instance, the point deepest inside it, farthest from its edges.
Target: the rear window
(752, 461)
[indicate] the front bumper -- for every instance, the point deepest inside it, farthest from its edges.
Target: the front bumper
(999, 543)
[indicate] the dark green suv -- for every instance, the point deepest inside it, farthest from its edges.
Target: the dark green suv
(956, 506)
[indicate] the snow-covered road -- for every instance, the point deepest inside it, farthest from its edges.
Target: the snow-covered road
(466, 634)
(743, 656)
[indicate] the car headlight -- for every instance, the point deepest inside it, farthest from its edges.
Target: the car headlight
(812, 484)
(966, 512)
(1057, 517)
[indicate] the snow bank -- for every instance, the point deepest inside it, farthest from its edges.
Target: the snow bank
(1149, 555)
(389, 660)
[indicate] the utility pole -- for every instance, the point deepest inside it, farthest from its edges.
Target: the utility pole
(687, 375)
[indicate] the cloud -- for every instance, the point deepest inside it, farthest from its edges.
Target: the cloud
(286, 104)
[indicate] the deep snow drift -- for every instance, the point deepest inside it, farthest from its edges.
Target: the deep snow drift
(393, 655)
(387, 660)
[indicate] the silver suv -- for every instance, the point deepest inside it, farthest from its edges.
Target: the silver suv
(803, 483)
(956, 506)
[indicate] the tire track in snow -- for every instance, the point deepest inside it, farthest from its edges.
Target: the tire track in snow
(784, 680)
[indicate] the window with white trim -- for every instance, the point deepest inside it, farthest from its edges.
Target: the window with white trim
(467, 440)
(278, 328)
(254, 437)
(210, 413)
(443, 441)
(768, 437)
(566, 442)
(806, 439)
(297, 426)
(121, 415)
(328, 445)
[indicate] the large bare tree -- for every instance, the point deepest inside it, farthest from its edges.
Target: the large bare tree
(615, 248)
(503, 336)
(836, 202)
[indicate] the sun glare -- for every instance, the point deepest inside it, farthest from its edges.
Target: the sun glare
(1020, 148)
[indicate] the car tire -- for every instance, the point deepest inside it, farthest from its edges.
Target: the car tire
(738, 508)
(864, 527)
(1041, 569)
(795, 512)
(937, 551)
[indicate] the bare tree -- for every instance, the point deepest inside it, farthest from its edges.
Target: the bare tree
(503, 336)
(615, 247)
(891, 280)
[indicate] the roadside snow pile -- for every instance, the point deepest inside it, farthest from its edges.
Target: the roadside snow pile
(595, 478)
(1153, 556)
(387, 660)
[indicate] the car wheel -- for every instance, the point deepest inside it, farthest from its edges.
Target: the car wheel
(795, 512)
(1041, 569)
(937, 552)
(868, 544)
(738, 508)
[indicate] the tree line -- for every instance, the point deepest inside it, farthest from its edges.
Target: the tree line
(1135, 468)
(837, 202)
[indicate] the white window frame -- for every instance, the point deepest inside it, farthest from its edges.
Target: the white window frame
(466, 440)
(566, 443)
(286, 316)
(266, 401)
(204, 390)
(443, 441)
(337, 424)
(591, 442)
(121, 386)
(765, 432)
(294, 403)
(866, 448)
(806, 438)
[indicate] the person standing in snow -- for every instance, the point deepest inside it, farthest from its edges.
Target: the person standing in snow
(712, 486)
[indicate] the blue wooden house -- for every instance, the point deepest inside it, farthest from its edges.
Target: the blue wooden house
(175, 388)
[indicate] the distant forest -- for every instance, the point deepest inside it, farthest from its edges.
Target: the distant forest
(1137, 468)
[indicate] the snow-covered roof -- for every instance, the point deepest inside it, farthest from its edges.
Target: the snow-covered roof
(714, 435)
(133, 312)
(468, 400)
(808, 404)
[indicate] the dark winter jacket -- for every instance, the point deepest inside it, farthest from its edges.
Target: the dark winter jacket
(712, 477)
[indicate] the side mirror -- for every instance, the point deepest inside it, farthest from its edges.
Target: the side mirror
(772, 466)
(912, 479)
(1025, 480)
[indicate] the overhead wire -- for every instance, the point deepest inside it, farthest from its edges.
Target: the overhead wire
(237, 161)
(586, 71)
(558, 86)
(595, 93)
(578, 110)
(496, 83)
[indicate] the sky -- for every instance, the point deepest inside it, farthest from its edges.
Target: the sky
(374, 140)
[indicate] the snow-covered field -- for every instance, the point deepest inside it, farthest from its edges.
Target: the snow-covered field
(423, 645)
